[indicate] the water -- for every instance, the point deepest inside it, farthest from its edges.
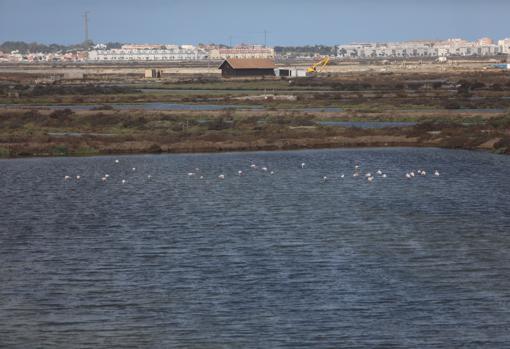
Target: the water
(258, 261)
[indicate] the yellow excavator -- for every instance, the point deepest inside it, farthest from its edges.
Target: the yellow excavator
(318, 67)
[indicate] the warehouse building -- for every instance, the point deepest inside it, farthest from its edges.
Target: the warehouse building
(290, 72)
(239, 67)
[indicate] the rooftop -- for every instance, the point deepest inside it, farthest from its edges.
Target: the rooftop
(250, 63)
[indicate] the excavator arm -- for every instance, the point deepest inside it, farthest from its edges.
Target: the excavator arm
(319, 66)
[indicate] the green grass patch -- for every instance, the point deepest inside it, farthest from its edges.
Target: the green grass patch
(4, 152)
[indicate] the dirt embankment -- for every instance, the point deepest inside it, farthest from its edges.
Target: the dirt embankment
(467, 109)
(64, 132)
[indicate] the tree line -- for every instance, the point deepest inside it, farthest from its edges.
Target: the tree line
(33, 47)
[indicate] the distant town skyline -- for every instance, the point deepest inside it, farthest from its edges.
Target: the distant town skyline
(282, 22)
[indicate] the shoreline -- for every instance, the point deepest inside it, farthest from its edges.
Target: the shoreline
(269, 148)
(449, 109)
(44, 133)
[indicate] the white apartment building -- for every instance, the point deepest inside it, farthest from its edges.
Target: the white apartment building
(149, 53)
(244, 51)
(374, 50)
(451, 47)
(504, 45)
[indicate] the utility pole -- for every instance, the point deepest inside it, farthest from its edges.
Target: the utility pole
(86, 26)
(265, 38)
(230, 41)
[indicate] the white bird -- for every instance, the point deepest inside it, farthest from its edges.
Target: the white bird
(412, 173)
(201, 177)
(66, 178)
(356, 167)
(303, 165)
(123, 181)
(436, 173)
(78, 177)
(190, 174)
(408, 175)
(272, 172)
(240, 173)
(264, 168)
(116, 161)
(370, 179)
(134, 168)
(342, 175)
(253, 166)
(419, 171)
(368, 174)
(384, 175)
(103, 179)
(107, 175)
(423, 173)
(221, 176)
(149, 176)
(379, 172)
(325, 178)
(355, 174)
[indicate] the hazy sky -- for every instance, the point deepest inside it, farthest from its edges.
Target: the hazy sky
(288, 22)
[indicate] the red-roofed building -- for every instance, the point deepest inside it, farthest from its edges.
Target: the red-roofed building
(244, 67)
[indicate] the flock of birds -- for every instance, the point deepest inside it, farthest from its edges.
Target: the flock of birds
(357, 173)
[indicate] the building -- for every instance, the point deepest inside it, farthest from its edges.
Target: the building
(504, 45)
(239, 67)
(153, 73)
(244, 51)
(149, 53)
(290, 72)
(385, 50)
(484, 41)
(417, 49)
(142, 46)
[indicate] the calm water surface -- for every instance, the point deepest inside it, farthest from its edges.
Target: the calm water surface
(256, 261)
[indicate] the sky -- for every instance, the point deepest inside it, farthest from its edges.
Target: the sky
(286, 22)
